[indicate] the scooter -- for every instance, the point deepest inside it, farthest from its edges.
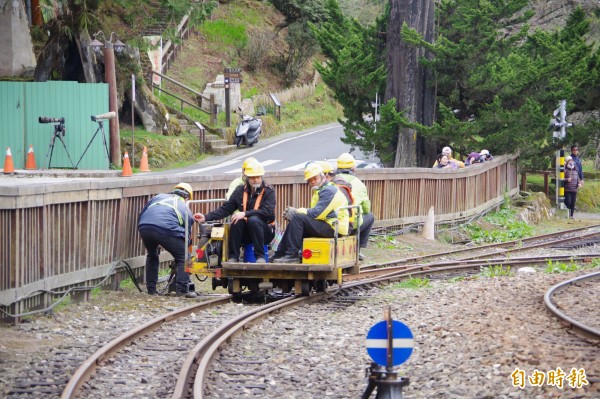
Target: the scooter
(248, 131)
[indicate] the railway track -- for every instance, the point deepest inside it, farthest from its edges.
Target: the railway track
(568, 239)
(569, 302)
(111, 371)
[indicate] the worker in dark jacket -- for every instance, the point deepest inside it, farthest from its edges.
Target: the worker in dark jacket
(162, 223)
(253, 223)
(577, 162)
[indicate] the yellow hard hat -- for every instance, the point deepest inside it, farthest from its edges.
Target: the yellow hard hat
(345, 161)
(312, 169)
(187, 188)
(326, 166)
(253, 169)
(247, 162)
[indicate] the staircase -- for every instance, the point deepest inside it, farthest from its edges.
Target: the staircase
(215, 144)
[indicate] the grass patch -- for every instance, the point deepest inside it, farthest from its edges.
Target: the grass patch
(564, 267)
(500, 226)
(413, 283)
(495, 271)
(389, 242)
(221, 32)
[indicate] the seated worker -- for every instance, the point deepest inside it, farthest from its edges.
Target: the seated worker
(253, 222)
(448, 152)
(345, 170)
(444, 163)
(239, 181)
(162, 222)
(317, 221)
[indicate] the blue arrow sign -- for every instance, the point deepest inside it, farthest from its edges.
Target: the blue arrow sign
(377, 343)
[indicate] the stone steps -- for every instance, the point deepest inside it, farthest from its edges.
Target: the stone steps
(215, 144)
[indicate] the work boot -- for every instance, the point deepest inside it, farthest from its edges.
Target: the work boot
(232, 258)
(189, 294)
(261, 260)
(361, 256)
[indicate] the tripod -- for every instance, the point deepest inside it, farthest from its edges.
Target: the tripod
(59, 131)
(100, 129)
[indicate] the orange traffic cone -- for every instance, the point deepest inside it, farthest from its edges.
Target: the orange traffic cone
(9, 166)
(30, 164)
(126, 166)
(144, 162)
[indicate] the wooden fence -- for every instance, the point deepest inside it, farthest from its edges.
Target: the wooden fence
(63, 233)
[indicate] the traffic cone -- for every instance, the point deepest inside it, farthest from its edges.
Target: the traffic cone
(144, 162)
(126, 166)
(9, 166)
(30, 164)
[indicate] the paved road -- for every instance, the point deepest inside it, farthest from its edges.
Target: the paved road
(288, 151)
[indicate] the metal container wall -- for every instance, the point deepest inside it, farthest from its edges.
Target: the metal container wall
(21, 105)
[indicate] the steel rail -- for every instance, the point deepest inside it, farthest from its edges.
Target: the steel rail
(83, 373)
(530, 260)
(494, 245)
(578, 326)
(206, 349)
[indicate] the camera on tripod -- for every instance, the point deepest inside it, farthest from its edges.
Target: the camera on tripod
(60, 124)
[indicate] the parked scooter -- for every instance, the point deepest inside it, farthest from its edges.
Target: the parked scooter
(248, 131)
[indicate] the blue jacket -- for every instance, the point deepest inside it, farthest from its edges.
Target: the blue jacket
(165, 214)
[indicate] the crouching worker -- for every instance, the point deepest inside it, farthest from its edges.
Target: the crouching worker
(162, 222)
(252, 207)
(317, 221)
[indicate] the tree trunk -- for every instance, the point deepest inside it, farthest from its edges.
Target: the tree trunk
(408, 81)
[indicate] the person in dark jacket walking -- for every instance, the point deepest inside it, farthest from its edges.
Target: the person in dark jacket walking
(572, 184)
(253, 223)
(162, 223)
(577, 161)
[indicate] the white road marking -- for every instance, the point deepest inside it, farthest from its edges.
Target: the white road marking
(264, 164)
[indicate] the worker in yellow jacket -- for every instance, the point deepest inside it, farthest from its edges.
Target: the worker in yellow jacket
(346, 166)
(317, 221)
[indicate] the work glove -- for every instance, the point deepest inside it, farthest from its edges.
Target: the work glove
(289, 212)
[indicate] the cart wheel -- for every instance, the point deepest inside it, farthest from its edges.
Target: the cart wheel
(305, 288)
(320, 285)
(230, 286)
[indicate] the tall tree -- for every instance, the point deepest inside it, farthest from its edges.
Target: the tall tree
(497, 90)
(407, 79)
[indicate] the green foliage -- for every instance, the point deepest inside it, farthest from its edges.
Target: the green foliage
(495, 271)
(225, 33)
(355, 71)
(413, 283)
(300, 10)
(504, 228)
(498, 91)
(497, 83)
(560, 267)
(389, 242)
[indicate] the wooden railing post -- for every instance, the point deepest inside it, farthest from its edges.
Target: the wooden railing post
(523, 181)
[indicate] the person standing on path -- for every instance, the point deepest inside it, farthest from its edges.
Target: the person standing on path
(572, 184)
(577, 161)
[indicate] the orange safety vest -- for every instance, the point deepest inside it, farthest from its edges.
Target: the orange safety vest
(256, 204)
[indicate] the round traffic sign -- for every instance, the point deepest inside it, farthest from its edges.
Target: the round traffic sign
(402, 343)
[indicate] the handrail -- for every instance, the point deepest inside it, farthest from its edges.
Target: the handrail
(211, 102)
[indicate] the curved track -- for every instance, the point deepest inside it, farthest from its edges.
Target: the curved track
(192, 374)
(574, 312)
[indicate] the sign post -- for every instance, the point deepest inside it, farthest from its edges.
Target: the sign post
(231, 75)
(389, 343)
